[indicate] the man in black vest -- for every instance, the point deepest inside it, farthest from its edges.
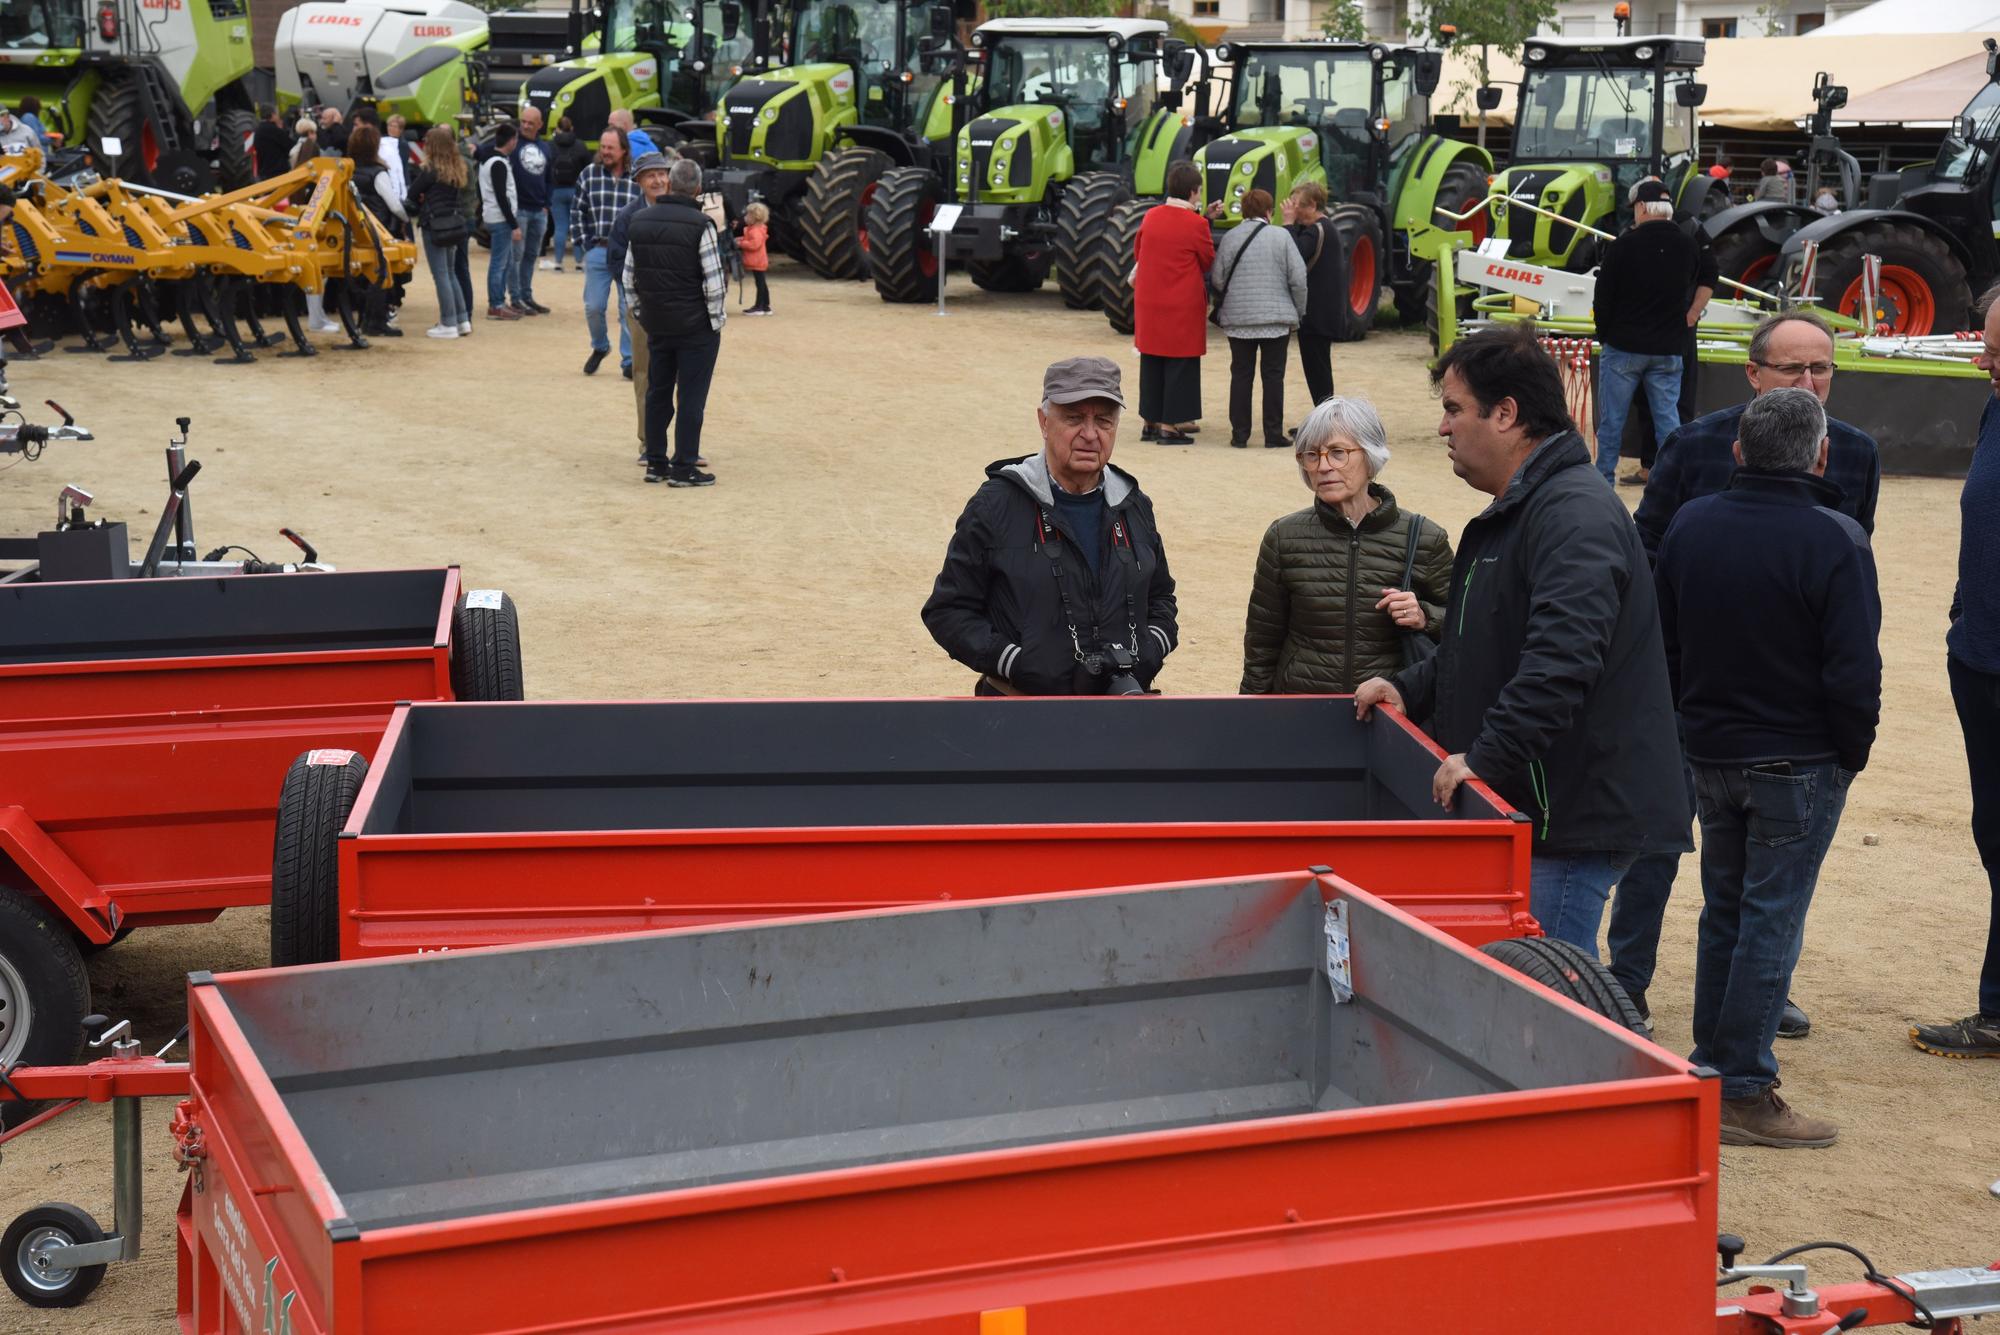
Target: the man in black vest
(673, 267)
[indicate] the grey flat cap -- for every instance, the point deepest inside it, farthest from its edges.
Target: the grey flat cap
(1074, 379)
(651, 162)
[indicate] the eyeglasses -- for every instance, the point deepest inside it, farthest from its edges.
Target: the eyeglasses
(1333, 454)
(1793, 370)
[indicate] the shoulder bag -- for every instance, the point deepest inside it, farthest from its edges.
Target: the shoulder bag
(1222, 289)
(1417, 646)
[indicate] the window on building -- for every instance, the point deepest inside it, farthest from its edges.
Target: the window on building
(1207, 9)
(1805, 23)
(1718, 27)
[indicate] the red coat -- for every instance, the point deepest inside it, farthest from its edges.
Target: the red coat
(1174, 250)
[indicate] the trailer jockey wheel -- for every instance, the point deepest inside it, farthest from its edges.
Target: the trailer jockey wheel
(44, 991)
(31, 1244)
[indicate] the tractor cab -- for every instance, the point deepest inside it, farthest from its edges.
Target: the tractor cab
(1593, 119)
(638, 55)
(1961, 190)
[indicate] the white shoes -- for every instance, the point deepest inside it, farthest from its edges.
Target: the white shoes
(546, 265)
(465, 329)
(442, 331)
(324, 327)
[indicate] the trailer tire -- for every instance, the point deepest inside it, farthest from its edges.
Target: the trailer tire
(486, 649)
(1361, 264)
(233, 167)
(1122, 240)
(314, 804)
(1924, 284)
(833, 216)
(1083, 257)
(1570, 972)
(901, 260)
(44, 992)
(33, 1230)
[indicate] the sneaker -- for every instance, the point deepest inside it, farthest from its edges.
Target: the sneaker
(758, 310)
(1173, 438)
(1769, 1121)
(501, 313)
(520, 310)
(655, 475)
(595, 360)
(1974, 1036)
(549, 266)
(1633, 479)
(442, 331)
(1239, 442)
(1792, 1022)
(1645, 1011)
(690, 477)
(537, 307)
(465, 329)
(1277, 443)
(393, 317)
(1149, 433)
(325, 327)
(625, 371)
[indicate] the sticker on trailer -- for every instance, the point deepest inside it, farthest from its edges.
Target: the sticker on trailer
(843, 83)
(330, 755)
(645, 70)
(486, 598)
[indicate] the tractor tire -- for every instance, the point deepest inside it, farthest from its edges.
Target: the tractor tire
(1924, 287)
(1568, 972)
(233, 167)
(1432, 322)
(1745, 254)
(902, 262)
(1463, 184)
(1024, 271)
(1123, 243)
(313, 805)
(1083, 258)
(44, 992)
(1362, 260)
(833, 221)
(485, 647)
(115, 113)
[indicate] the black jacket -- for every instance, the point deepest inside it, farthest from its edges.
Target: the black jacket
(997, 607)
(1551, 677)
(432, 203)
(571, 156)
(1770, 612)
(1643, 288)
(665, 244)
(272, 145)
(1326, 278)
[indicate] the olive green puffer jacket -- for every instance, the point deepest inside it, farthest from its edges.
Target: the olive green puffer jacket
(1313, 627)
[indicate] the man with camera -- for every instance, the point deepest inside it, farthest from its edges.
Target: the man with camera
(1055, 582)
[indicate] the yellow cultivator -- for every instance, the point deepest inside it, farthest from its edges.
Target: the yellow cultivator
(118, 263)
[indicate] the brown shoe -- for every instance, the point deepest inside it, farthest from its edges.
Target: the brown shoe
(501, 313)
(1768, 1120)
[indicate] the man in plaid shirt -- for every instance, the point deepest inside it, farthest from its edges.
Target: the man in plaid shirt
(603, 189)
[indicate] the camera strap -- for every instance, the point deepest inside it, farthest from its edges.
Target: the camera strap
(1047, 535)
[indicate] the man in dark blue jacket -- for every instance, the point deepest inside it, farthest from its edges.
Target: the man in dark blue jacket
(1770, 610)
(534, 181)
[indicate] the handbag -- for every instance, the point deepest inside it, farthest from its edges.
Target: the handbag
(1417, 646)
(1215, 307)
(448, 229)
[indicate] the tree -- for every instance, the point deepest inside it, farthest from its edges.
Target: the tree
(1176, 25)
(1490, 26)
(1052, 9)
(1343, 22)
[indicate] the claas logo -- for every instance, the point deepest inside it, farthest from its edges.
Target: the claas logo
(1527, 276)
(340, 20)
(425, 29)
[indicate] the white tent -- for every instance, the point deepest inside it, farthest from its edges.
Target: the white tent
(1887, 16)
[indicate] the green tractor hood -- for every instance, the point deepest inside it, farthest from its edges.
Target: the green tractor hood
(1010, 154)
(1277, 158)
(786, 118)
(1580, 192)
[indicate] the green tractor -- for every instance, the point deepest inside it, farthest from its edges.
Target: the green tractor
(154, 88)
(1354, 117)
(865, 93)
(1070, 123)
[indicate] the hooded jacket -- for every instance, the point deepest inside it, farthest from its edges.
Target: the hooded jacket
(1552, 675)
(998, 605)
(570, 156)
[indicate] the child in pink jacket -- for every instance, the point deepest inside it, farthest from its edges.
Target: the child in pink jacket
(756, 254)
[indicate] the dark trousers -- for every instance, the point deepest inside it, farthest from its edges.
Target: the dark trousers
(1316, 359)
(1245, 354)
(763, 302)
(461, 263)
(1640, 908)
(1763, 837)
(1977, 695)
(677, 377)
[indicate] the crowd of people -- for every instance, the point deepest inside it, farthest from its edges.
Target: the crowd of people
(1615, 679)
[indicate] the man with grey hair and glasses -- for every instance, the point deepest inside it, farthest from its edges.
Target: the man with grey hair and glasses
(1770, 613)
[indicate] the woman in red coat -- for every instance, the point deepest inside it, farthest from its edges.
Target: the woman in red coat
(1174, 250)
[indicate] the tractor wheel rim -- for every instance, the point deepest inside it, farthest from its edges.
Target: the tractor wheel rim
(17, 1013)
(1908, 305)
(1361, 282)
(149, 147)
(1753, 272)
(867, 198)
(32, 1259)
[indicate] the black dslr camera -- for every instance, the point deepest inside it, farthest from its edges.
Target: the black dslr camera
(1116, 662)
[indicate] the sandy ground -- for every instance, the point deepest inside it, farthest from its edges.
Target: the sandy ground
(847, 435)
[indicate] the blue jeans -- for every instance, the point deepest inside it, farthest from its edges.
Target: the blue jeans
(500, 265)
(1764, 834)
(559, 201)
(443, 262)
(1618, 373)
(1566, 893)
(598, 282)
(1640, 908)
(534, 226)
(461, 263)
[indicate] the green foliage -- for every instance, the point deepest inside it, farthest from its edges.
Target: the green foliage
(1176, 25)
(1491, 25)
(1052, 9)
(1343, 22)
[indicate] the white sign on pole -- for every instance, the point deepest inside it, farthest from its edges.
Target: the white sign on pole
(946, 217)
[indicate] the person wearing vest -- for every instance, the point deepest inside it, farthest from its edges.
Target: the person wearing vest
(673, 268)
(381, 196)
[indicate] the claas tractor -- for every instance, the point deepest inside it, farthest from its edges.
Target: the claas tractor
(864, 91)
(154, 88)
(1355, 118)
(1072, 119)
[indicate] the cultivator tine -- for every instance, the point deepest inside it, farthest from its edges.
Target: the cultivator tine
(121, 320)
(259, 337)
(294, 303)
(82, 310)
(149, 311)
(350, 318)
(219, 305)
(199, 344)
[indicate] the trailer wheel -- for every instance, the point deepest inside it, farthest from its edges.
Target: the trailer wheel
(319, 792)
(833, 218)
(24, 1250)
(44, 992)
(1084, 261)
(1745, 254)
(1122, 241)
(1924, 287)
(485, 647)
(1462, 186)
(1362, 261)
(1562, 968)
(1023, 271)
(901, 259)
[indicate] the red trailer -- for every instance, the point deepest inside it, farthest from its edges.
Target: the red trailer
(146, 725)
(492, 824)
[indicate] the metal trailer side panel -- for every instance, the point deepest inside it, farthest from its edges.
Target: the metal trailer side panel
(48, 700)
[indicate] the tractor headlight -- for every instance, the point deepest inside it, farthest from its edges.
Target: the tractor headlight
(1241, 190)
(770, 114)
(1537, 54)
(1643, 53)
(1246, 168)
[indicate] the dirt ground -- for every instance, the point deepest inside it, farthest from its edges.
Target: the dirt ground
(847, 434)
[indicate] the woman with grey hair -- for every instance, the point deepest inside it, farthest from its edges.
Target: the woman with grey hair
(1329, 607)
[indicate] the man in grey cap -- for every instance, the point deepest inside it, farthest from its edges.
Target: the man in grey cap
(1056, 582)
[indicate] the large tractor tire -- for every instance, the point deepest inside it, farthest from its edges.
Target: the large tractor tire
(1084, 260)
(833, 217)
(1463, 185)
(314, 804)
(485, 647)
(1432, 321)
(1363, 260)
(1123, 244)
(1568, 972)
(902, 261)
(1924, 287)
(44, 991)
(234, 168)
(115, 114)
(1745, 254)
(1024, 271)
